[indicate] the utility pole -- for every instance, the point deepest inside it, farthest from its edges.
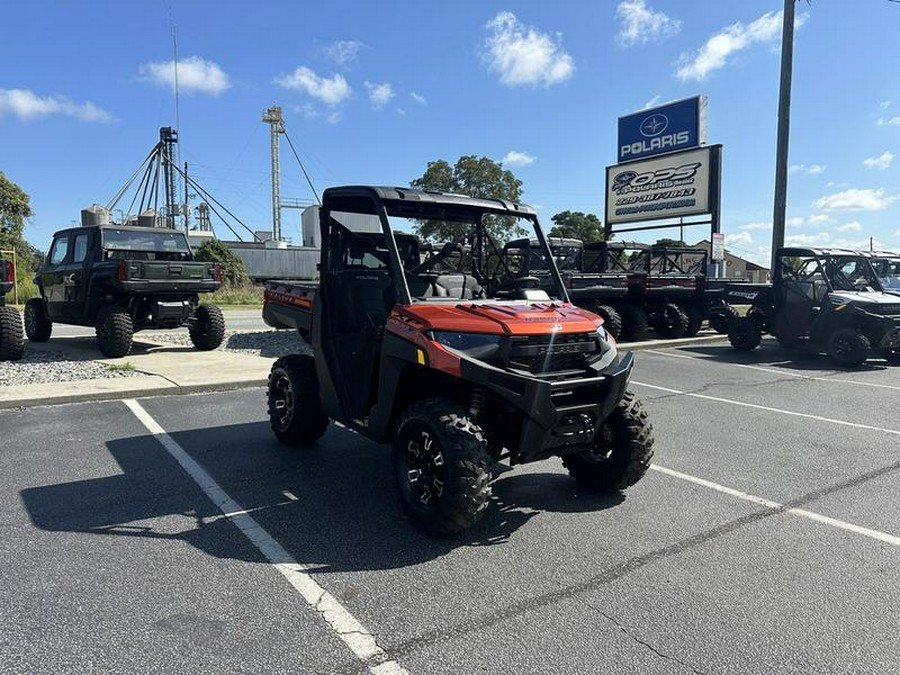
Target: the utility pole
(784, 128)
(274, 119)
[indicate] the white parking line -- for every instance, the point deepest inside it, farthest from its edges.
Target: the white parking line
(775, 506)
(800, 376)
(360, 641)
(781, 411)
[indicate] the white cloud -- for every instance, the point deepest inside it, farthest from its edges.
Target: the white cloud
(757, 226)
(732, 39)
(334, 118)
(882, 162)
(808, 169)
(855, 200)
(884, 105)
(738, 238)
(853, 226)
(515, 158)
(379, 94)
(818, 219)
(653, 102)
(330, 91)
(418, 98)
(641, 24)
(343, 52)
(889, 121)
(522, 55)
(26, 105)
(796, 221)
(401, 112)
(807, 239)
(194, 75)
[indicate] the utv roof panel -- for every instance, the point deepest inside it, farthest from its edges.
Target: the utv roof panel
(409, 195)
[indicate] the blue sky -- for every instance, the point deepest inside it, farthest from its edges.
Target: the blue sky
(374, 91)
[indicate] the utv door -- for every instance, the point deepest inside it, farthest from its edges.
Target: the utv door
(357, 292)
(52, 276)
(801, 289)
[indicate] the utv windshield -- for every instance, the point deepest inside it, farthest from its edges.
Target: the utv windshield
(449, 248)
(851, 273)
(469, 260)
(887, 269)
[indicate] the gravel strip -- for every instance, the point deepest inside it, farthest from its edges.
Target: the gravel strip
(46, 367)
(272, 343)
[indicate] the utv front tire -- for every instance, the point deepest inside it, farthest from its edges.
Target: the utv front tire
(612, 320)
(295, 411)
(37, 326)
(621, 453)
(115, 331)
(634, 322)
(442, 467)
(744, 334)
(721, 319)
(848, 348)
(694, 319)
(208, 328)
(671, 322)
(11, 342)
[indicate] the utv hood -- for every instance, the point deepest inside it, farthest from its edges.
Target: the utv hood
(863, 298)
(498, 318)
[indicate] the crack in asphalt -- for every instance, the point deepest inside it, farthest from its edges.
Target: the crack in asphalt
(644, 643)
(616, 572)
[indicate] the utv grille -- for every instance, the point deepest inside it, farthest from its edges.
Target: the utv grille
(551, 353)
(886, 310)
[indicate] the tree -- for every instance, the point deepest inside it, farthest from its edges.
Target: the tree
(15, 207)
(234, 272)
(577, 225)
(476, 177)
(670, 243)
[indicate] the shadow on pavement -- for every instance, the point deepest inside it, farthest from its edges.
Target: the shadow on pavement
(333, 507)
(773, 355)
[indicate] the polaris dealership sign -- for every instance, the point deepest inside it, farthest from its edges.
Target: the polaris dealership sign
(679, 184)
(669, 128)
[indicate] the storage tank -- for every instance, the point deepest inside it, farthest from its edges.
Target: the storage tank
(94, 215)
(148, 218)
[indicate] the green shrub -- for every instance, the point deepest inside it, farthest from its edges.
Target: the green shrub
(229, 294)
(233, 269)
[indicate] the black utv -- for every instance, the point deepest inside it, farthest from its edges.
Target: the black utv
(120, 280)
(827, 300)
(11, 342)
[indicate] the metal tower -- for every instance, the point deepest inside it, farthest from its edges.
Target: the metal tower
(168, 137)
(273, 117)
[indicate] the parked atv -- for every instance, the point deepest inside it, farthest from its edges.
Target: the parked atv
(457, 359)
(11, 342)
(826, 300)
(121, 280)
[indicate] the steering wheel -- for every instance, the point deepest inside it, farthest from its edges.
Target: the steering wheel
(446, 251)
(515, 283)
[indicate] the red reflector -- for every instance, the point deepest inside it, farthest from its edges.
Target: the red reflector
(10, 272)
(218, 272)
(122, 272)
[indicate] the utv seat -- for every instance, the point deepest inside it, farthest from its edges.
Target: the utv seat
(460, 286)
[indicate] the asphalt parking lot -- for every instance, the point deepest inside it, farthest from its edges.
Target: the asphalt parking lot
(174, 534)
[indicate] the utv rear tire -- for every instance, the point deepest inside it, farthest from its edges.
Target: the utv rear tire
(634, 322)
(295, 410)
(848, 348)
(442, 467)
(622, 452)
(208, 329)
(721, 319)
(612, 320)
(744, 334)
(37, 326)
(12, 344)
(115, 331)
(671, 322)
(694, 319)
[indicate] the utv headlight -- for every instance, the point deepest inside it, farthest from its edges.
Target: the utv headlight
(476, 345)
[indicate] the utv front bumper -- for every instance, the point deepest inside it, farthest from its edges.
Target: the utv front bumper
(557, 416)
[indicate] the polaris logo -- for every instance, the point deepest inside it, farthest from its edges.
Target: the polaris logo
(656, 143)
(654, 125)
